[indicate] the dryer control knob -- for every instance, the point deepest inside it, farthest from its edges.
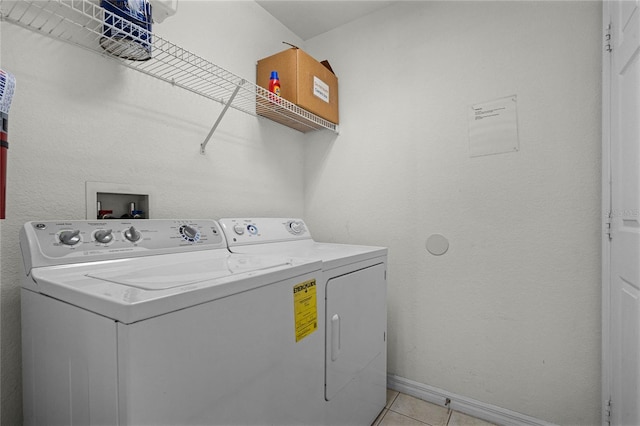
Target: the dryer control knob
(104, 236)
(131, 234)
(69, 238)
(296, 228)
(238, 229)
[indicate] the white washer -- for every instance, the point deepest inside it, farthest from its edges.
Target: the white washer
(355, 320)
(154, 322)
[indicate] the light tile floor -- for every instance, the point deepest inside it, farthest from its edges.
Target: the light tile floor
(402, 409)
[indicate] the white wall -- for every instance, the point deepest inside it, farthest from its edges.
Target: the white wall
(511, 314)
(79, 117)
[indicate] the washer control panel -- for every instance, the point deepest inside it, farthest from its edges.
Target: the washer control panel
(92, 239)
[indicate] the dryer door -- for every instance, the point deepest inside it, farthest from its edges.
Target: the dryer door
(356, 326)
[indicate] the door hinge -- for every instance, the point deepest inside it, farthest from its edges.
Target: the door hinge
(607, 411)
(607, 39)
(607, 227)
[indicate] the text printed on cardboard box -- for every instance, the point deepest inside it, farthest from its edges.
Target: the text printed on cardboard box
(320, 89)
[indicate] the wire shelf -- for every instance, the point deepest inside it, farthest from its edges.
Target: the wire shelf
(85, 24)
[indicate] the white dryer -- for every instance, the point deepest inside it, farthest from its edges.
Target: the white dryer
(354, 285)
(154, 322)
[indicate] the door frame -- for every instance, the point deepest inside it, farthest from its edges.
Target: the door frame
(606, 214)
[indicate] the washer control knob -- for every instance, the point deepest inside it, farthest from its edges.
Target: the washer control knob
(131, 234)
(69, 238)
(189, 231)
(238, 229)
(104, 236)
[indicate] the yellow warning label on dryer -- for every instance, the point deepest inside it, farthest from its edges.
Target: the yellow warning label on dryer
(305, 308)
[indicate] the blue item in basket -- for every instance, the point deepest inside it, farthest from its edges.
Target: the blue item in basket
(127, 29)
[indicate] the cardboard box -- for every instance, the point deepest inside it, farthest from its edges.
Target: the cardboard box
(303, 81)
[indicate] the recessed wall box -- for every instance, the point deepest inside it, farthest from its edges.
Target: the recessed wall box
(115, 201)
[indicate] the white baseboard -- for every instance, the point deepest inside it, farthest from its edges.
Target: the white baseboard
(472, 407)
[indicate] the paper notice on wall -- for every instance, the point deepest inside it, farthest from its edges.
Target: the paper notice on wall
(493, 127)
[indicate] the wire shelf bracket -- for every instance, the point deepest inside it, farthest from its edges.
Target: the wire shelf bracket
(203, 145)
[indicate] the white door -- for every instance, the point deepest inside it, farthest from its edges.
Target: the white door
(623, 357)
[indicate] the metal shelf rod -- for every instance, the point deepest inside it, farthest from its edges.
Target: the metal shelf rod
(203, 145)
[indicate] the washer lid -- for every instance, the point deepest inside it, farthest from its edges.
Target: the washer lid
(130, 290)
(174, 272)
